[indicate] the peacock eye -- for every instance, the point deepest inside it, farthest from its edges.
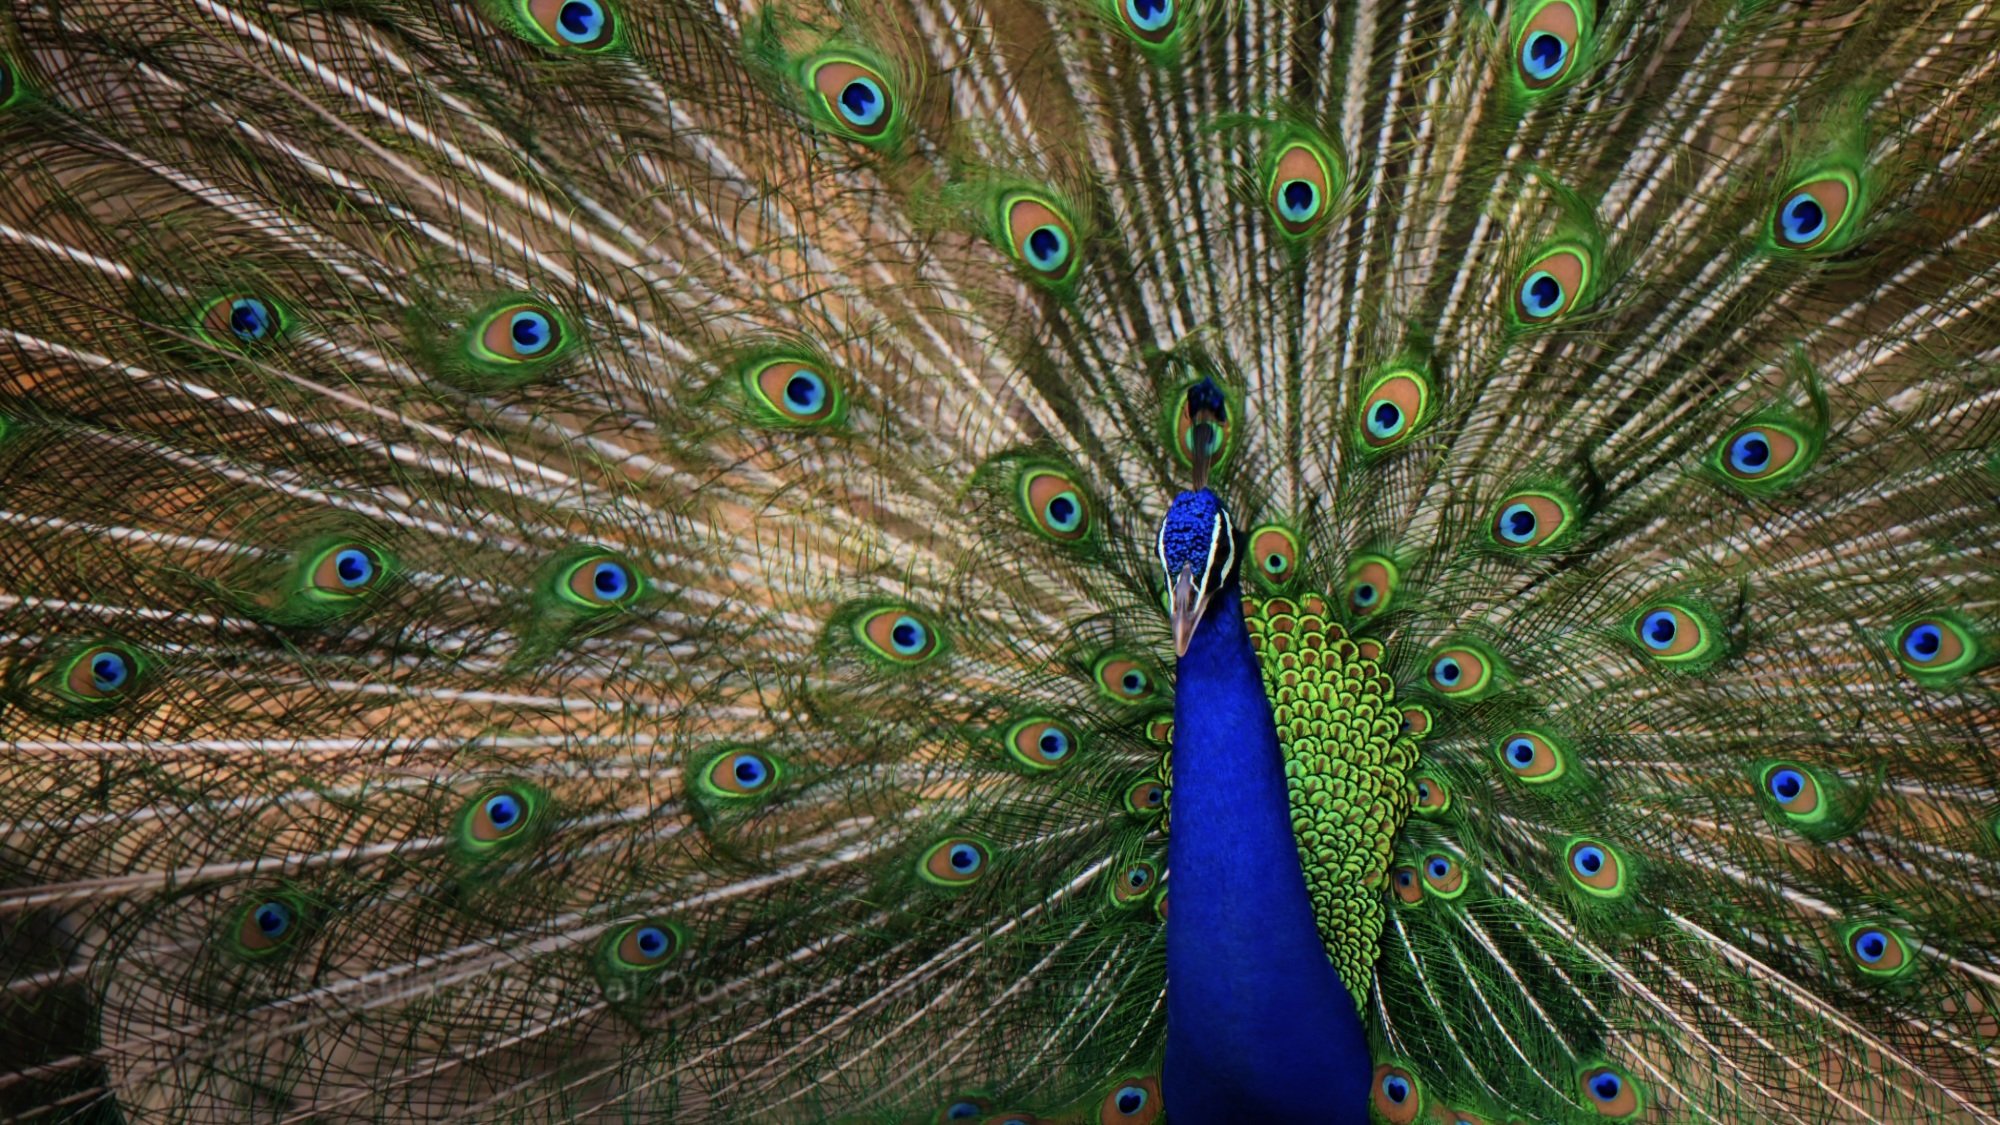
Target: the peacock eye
(585, 24)
(1055, 505)
(1530, 521)
(1371, 582)
(266, 926)
(1878, 951)
(499, 816)
(646, 945)
(960, 1110)
(1040, 743)
(1040, 237)
(1145, 796)
(1276, 551)
(1792, 789)
(1672, 633)
(898, 635)
(1460, 671)
(601, 582)
(242, 318)
(796, 390)
(1152, 21)
(1443, 874)
(1416, 720)
(1531, 756)
(856, 95)
(1133, 884)
(738, 773)
(101, 673)
(520, 333)
(1433, 795)
(1551, 285)
(1299, 185)
(1133, 1101)
(499, 819)
(1610, 1093)
(1403, 881)
(1762, 452)
(347, 569)
(1395, 1095)
(1595, 868)
(1814, 211)
(1123, 679)
(1219, 434)
(1393, 409)
(1934, 644)
(954, 862)
(1546, 48)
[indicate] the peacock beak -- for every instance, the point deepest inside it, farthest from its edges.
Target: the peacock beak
(1190, 602)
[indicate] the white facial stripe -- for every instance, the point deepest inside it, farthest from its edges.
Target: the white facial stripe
(1214, 535)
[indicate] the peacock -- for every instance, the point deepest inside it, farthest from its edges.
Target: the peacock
(1433, 562)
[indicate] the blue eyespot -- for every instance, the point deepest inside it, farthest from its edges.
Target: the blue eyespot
(1587, 861)
(1386, 420)
(1054, 744)
(249, 319)
(1298, 200)
(1131, 1099)
(1133, 681)
(1922, 643)
(1396, 1088)
(1149, 15)
(651, 940)
(353, 567)
(861, 102)
(965, 859)
(1365, 594)
(1541, 293)
(1517, 524)
(1521, 752)
(109, 671)
(1064, 513)
(273, 919)
(750, 771)
(1048, 248)
(1787, 784)
(1606, 1087)
(611, 581)
(1658, 630)
(908, 636)
(1439, 868)
(1446, 671)
(1543, 55)
(1802, 219)
(1750, 452)
(530, 331)
(806, 391)
(959, 1111)
(580, 21)
(1871, 946)
(503, 811)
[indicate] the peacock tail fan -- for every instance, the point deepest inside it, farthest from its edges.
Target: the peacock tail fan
(596, 559)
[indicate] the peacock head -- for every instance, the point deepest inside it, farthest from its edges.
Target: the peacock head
(1197, 549)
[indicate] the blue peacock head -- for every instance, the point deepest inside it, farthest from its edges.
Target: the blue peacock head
(1197, 542)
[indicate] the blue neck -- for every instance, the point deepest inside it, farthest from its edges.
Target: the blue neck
(1259, 1026)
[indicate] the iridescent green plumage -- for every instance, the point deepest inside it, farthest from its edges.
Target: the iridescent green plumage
(590, 560)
